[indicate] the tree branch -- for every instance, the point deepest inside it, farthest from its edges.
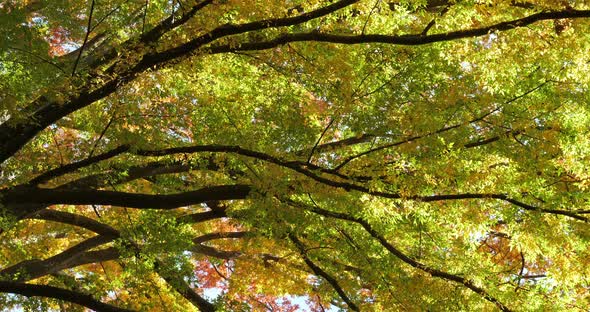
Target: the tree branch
(114, 177)
(386, 146)
(302, 168)
(219, 235)
(78, 254)
(15, 134)
(363, 138)
(60, 171)
(319, 272)
(184, 289)
(32, 269)
(88, 30)
(400, 255)
(319, 140)
(24, 196)
(214, 252)
(408, 40)
(76, 220)
(30, 290)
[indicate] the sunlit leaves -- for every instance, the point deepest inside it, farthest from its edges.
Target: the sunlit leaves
(469, 157)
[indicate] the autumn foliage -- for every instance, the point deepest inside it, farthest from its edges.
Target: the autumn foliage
(248, 155)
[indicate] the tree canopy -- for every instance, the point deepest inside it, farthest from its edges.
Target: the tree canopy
(287, 155)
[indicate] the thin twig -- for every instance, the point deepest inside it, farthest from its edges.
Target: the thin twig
(107, 15)
(181, 6)
(96, 211)
(39, 58)
(433, 22)
(147, 3)
(101, 135)
(61, 158)
(320, 139)
(88, 31)
(369, 17)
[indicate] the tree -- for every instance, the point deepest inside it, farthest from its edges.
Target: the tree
(252, 155)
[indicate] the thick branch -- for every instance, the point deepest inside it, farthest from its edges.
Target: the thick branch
(417, 39)
(214, 252)
(171, 23)
(30, 290)
(219, 235)
(76, 220)
(229, 30)
(437, 5)
(32, 269)
(37, 268)
(106, 230)
(202, 216)
(27, 196)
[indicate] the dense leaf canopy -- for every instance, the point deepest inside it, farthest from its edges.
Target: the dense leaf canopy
(286, 155)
